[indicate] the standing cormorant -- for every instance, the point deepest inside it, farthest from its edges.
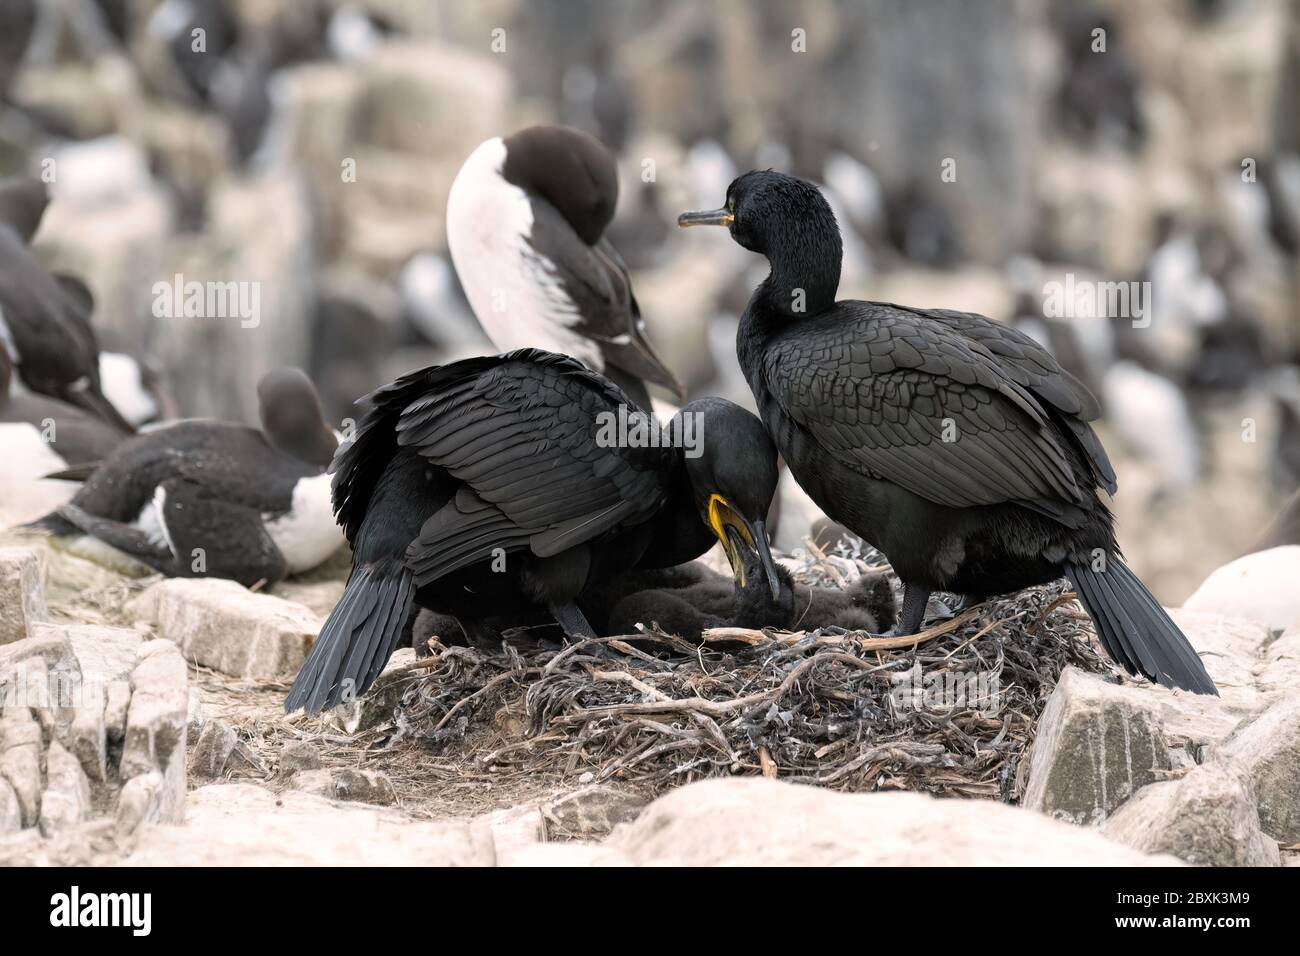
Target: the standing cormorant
(497, 484)
(954, 445)
(526, 219)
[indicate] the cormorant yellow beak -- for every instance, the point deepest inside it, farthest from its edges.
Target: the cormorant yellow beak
(707, 217)
(735, 532)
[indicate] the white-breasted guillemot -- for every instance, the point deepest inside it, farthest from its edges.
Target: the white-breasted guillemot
(216, 499)
(526, 219)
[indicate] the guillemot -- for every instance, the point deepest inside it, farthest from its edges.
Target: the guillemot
(526, 218)
(216, 499)
(953, 444)
(486, 487)
(43, 326)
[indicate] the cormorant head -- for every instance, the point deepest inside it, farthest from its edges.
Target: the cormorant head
(571, 170)
(292, 417)
(22, 204)
(732, 470)
(789, 221)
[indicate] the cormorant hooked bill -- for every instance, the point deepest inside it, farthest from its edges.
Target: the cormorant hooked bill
(954, 445)
(490, 486)
(526, 219)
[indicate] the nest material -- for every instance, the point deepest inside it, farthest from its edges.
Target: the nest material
(950, 711)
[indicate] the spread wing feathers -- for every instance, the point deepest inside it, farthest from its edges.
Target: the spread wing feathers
(915, 402)
(1033, 368)
(520, 431)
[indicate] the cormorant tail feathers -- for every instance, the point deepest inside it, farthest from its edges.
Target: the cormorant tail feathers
(1135, 630)
(356, 640)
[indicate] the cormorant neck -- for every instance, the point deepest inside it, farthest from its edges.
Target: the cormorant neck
(805, 269)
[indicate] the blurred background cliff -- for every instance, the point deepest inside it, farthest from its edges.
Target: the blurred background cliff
(979, 155)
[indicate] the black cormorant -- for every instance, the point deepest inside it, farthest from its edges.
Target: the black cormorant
(954, 445)
(495, 484)
(526, 219)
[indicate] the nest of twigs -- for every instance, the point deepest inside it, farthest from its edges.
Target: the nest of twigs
(949, 711)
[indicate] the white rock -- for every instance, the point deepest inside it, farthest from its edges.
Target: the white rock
(757, 822)
(87, 737)
(20, 760)
(244, 824)
(105, 656)
(154, 740)
(222, 625)
(140, 801)
(504, 834)
(11, 812)
(1280, 670)
(1268, 747)
(1259, 587)
(66, 800)
(22, 597)
(1206, 818)
(1096, 745)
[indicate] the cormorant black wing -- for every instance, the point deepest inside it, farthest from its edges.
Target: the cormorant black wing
(1033, 368)
(522, 433)
(892, 395)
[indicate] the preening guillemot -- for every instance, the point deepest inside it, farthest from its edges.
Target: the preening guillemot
(954, 445)
(489, 486)
(526, 219)
(43, 326)
(215, 499)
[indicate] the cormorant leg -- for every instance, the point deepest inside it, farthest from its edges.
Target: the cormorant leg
(912, 616)
(571, 619)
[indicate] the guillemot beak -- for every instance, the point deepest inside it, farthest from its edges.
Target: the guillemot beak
(739, 534)
(706, 217)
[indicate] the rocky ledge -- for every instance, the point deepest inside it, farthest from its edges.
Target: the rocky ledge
(127, 740)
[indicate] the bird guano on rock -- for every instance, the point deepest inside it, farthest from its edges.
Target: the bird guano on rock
(954, 445)
(484, 489)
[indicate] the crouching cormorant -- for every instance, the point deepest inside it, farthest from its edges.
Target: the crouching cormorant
(215, 499)
(490, 486)
(526, 219)
(954, 445)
